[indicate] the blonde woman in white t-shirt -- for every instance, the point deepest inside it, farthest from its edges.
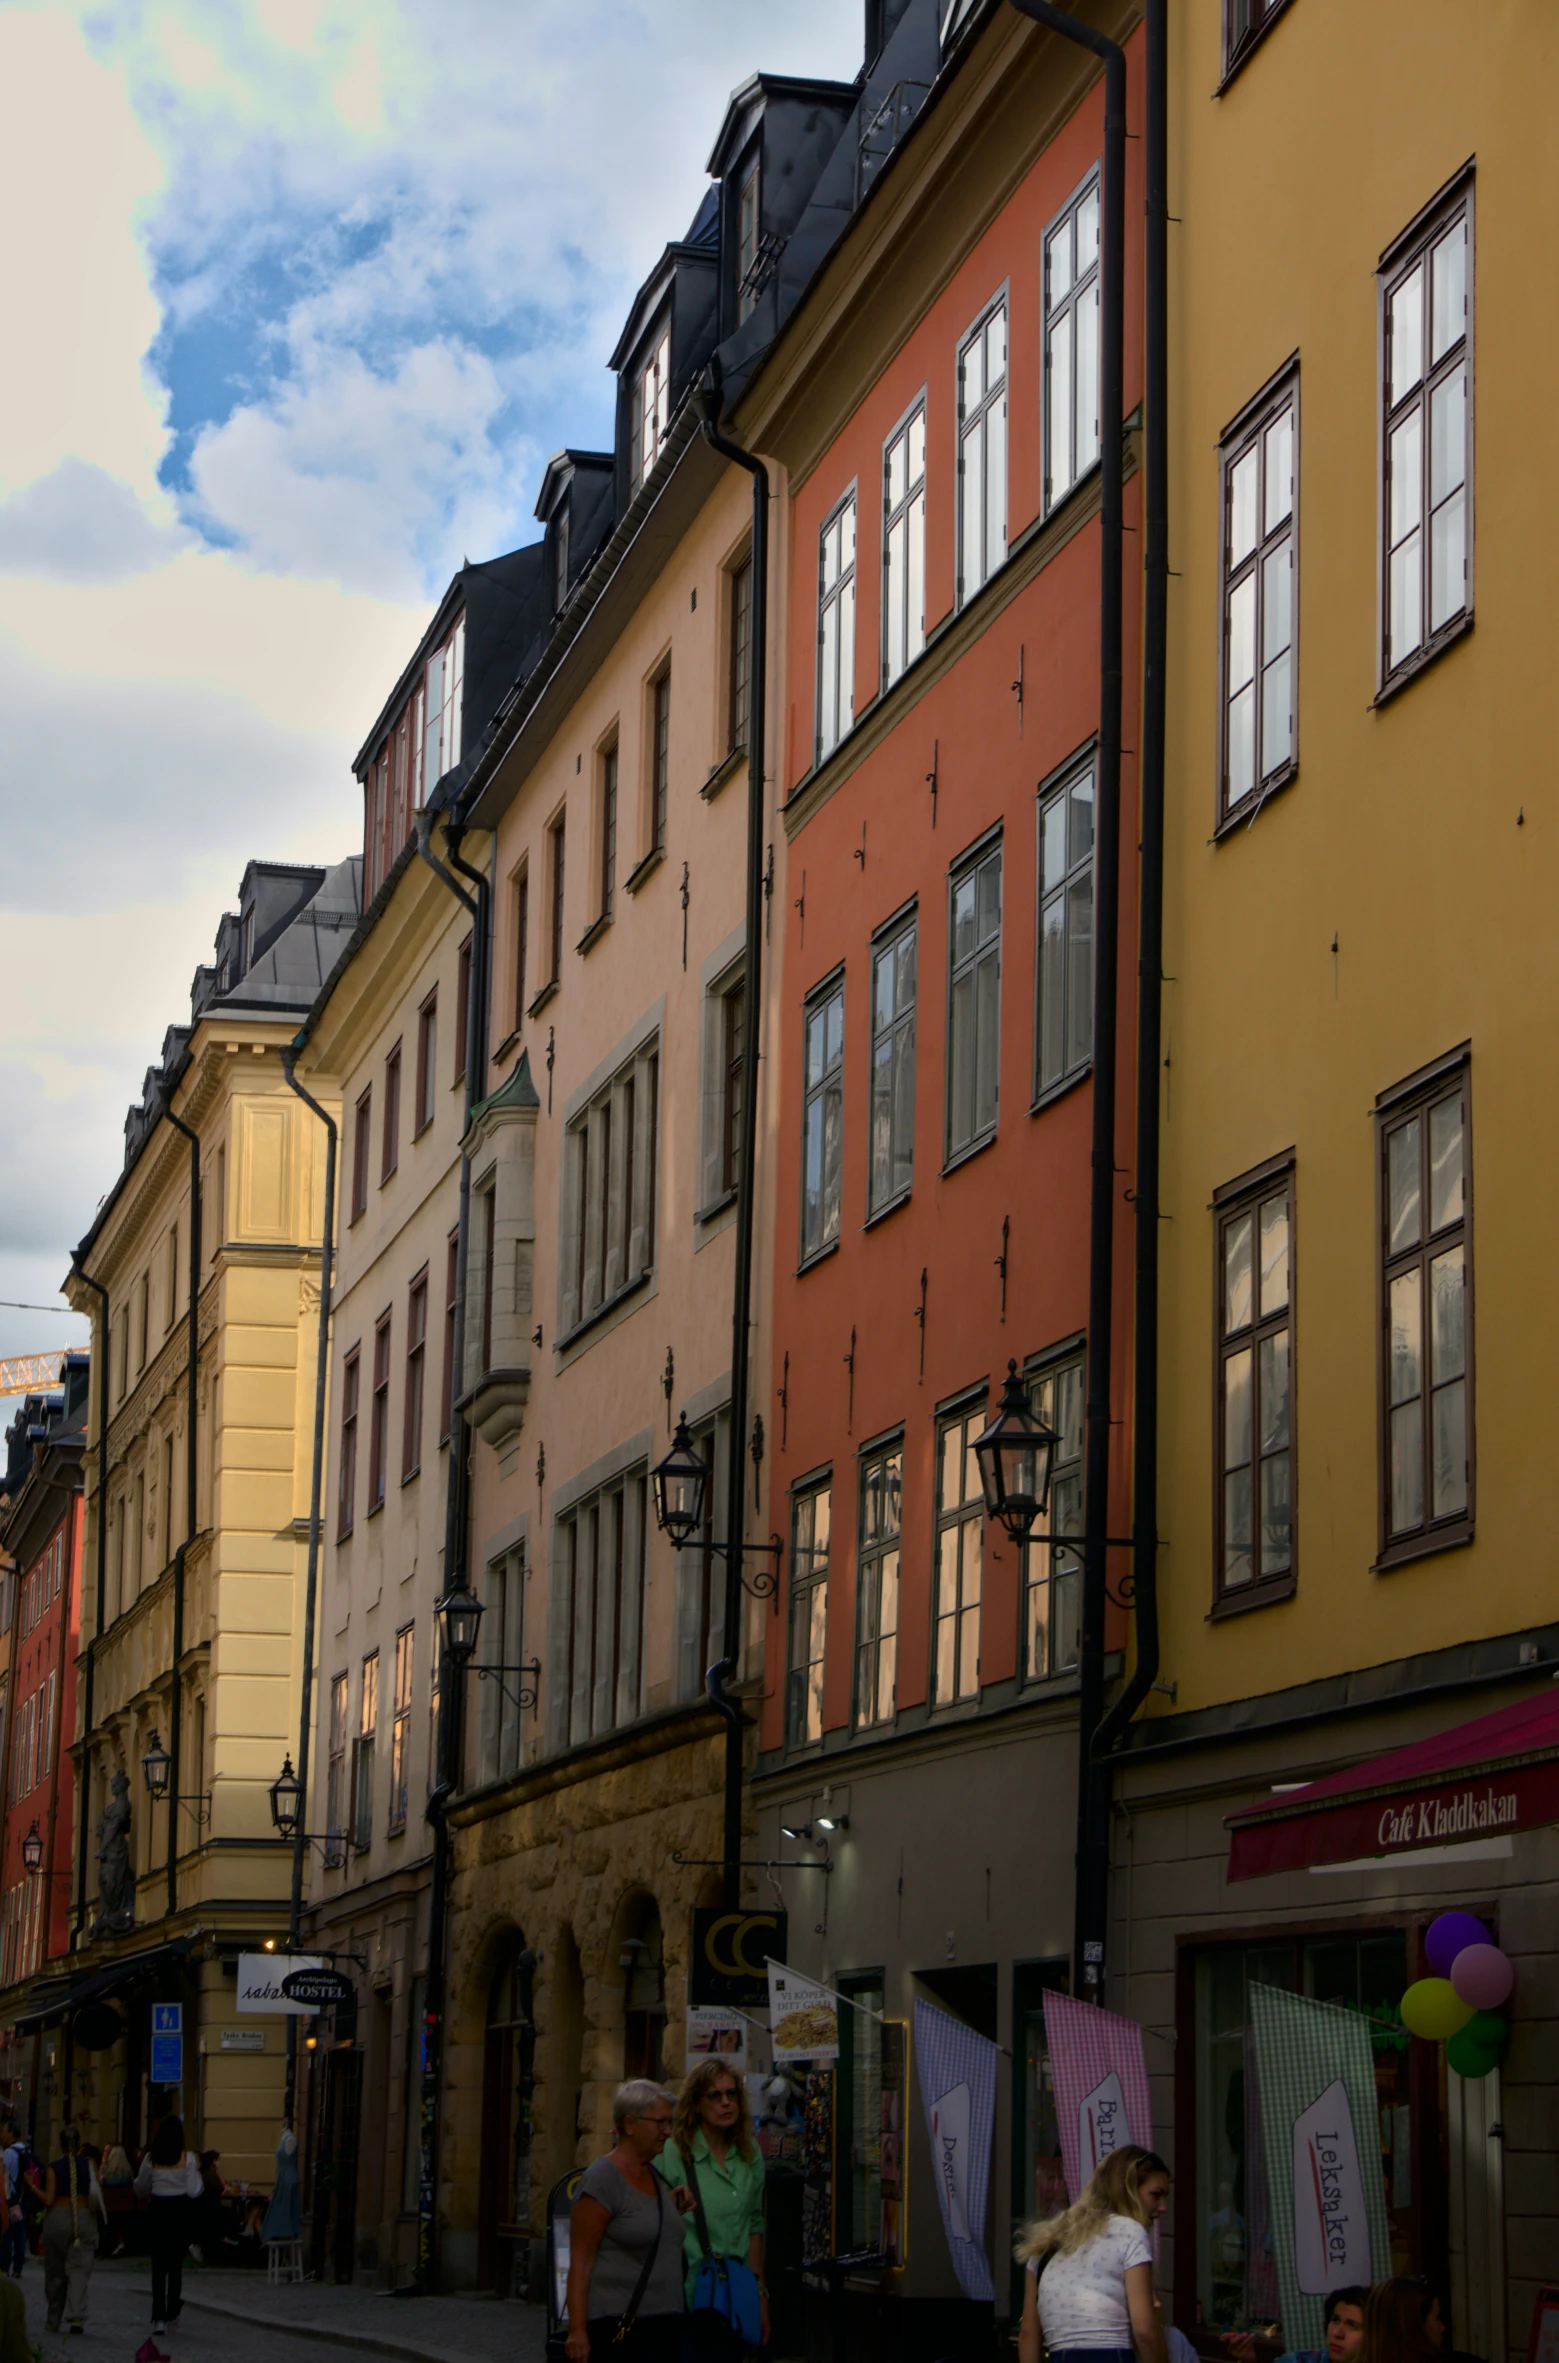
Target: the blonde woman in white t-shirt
(1088, 2291)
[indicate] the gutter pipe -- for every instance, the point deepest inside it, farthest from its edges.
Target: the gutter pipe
(728, 1664)
(1091, 1905)
(89, 1686)
(1150, 963)
(311, 1590)
(191, 1468)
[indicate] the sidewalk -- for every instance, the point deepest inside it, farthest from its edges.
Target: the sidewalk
(373, 2321)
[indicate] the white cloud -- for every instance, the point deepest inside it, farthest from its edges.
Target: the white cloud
(80, 525)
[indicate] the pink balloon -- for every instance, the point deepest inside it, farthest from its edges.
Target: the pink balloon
(1483, 1976)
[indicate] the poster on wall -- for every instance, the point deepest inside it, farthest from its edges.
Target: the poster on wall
(713, 2033)
(1320, 2139)
(803, 2017)
(894, 2092)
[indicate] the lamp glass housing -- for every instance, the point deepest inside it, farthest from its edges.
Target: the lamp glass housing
(32, 1850)
(460, 1619)
(286, 1799)
(681, 1481)
(1014, 1454)
(156, 1768)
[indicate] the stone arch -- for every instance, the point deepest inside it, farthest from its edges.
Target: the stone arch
(504, 2193)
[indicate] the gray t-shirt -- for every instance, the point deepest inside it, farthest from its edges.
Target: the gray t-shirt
(624, 2244)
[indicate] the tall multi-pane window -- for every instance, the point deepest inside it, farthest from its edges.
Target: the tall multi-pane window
(556, 849)
(904, 543)
(346, 1500)
(1072, 343)
(822, 1118)
(982, 450)
(810, 1521)
(877, 1583)
(451, 1292)
(651, 411)
(1426, 308)
(740, 684)
(602, 1546)
(499, 1713)
(960, 1553)
(1260, 598)
(379, 1417)
(660, 756)
(462, 1007)
(1052, 1578)
(1255, 1425)
(1063, 1016)
(362, 1151)
(893, 1064)
(974, 998)
(441, 728)
(1425, 1291)
(400, 1727)
(427, 1062)
(836, 627)
(416, 1373)
(335, 1774)
(608, 881)
(363, 1753)
(390, 1144)
(608, 1226)
(733, 1067)
(521, 942)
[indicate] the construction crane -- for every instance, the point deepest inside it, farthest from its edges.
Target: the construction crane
(24, 1372)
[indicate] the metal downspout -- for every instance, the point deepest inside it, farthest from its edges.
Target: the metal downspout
(191, 1474)
(89, 1678)
(728, 1664)
(1093, 1781)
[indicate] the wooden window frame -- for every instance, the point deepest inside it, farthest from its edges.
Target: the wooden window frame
(658, 749)
(462, 1009)
(968, 865)
(557, 864)
(390, 1139)
(834, 705)
(451, 1303)
(650, 407)
(967, 1413)
(521, 891)
(362, 1152)
(336, 1796)
(749, 235)
(379, 1415)
(904, 633)
(875, 1635)
(889, 1032)
(1246, 434)
(814, 1098)
(1067, 307)
(1415, 1097)
(1238, 45)
(1405, 254)
(364, 1748)
(427, 1064)
(739, 653)
(610, 1154)
(731, 1019)
(806, 1679)
(604, 1535)
(970, 419)
(1045, 1571)
(1232, 1203)
(346, 1486)
(608, 870)
(1057, 792)
(400, 1729)
(416, 1375)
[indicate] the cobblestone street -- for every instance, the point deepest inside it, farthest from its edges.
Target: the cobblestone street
(231, 2317)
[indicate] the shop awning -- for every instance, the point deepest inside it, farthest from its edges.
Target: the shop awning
(1485, 1779)
(54, 1998)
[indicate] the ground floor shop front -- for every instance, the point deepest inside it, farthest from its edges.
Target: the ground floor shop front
(1469, 2168)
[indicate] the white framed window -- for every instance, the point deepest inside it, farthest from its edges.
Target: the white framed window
(960, 1558)
(1426, 438)
(1063, 1015)
(651, 410)
(1260, 598)
(363, 1754)
(500, 1717)
(904, 543)
(892, 1170)
(608, 1229)
(810, 1524)
(1072, 342)
(445, 686)
(601, 1559)
(836, 627)
(974, 998)
(877, 1583)
(725, 1016)
(982, 450)
(1052, 1579)
(822, 1118)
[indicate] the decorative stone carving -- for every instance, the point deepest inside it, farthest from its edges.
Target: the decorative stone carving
(115, 1872)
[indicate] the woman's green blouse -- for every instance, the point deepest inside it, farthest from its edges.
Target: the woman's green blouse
(733, 2201)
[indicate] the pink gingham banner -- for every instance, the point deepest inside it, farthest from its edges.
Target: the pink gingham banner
(1100, 2081)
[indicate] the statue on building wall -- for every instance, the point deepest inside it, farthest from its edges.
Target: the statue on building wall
(115, 1872)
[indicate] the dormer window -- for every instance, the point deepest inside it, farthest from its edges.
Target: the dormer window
(441, 725)
(651, 409)
(247, 941)
(747, 244)
(560, 559)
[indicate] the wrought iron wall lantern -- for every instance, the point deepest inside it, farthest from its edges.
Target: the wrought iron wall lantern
(460, 1615)
(1014, 1455)
(32, 1852)
(681, 1488)
(156, 1769)
(286, 1811)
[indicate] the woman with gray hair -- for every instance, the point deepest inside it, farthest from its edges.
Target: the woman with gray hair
(625, 2242)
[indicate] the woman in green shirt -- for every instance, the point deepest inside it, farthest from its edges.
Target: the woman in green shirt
(713, 2134)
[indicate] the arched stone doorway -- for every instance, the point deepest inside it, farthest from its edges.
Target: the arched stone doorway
(508, 2080)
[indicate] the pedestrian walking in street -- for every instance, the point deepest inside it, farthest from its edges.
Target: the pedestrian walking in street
(1089, 2284)
(13, 2242)
(72, 2211)
(625, 2243)
(170, 2178)
(713, 2157)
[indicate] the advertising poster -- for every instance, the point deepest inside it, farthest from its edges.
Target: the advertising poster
(715, 2033)
(1100, 2080)
(803, 2018)
(958, 2091)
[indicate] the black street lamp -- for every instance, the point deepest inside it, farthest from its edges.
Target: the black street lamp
(32, 1852)
(459, 1616)
(1014, 1455)
(286, 1800)
(156, 1766)
(681, 1481)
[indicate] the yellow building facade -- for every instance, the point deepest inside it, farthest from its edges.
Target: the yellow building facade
(1362, 858)
(206, 1613)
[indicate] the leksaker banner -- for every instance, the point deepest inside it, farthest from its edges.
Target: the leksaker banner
(1100, 2080)
(957, 2071)
(1320, 2145)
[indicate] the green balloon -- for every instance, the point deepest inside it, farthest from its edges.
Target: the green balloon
(1488, 2029)
(1469, 2057)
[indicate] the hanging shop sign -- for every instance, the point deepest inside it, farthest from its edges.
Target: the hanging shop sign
(803, 2017)
(318, 1989)
(730, 1963)
(260, 1983)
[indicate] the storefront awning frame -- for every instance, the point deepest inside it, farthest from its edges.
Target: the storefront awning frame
(48, 2009)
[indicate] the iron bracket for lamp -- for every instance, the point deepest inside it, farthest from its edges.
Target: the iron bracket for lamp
(199, 1805)
(1078, 1545)
(523, 1698)
(694, 1862)
(765, 1584)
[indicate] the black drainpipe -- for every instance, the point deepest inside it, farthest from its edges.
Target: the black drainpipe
(311, 1592)
(451, 1687)
(191, 1469)
(728, 1664)
(88, 1685)
(1091, 1905)
(1150, 965)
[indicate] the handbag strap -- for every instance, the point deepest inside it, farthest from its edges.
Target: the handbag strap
(630, 2311)
(699, 2217)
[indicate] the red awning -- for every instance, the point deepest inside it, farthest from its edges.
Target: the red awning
(1479, 1780)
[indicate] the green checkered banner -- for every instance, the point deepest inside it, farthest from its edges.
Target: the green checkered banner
(1321, 2144)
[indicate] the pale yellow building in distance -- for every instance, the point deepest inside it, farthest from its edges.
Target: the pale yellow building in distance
(1358, 1125)
(196, 1656)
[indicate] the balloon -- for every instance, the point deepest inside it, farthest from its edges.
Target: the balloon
(1488, 2030)
(1434, 2009)
(1483, 1976)
(1468, 2057)
(1449, 1935)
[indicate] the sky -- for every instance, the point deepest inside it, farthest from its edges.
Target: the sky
(300, 296)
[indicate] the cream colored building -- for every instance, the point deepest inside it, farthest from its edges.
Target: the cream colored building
(234, 1579)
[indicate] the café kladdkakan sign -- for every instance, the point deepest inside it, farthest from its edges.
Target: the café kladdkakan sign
(1488, 1779)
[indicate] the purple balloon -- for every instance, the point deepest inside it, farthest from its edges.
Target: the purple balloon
(1483, 1976)
(1451, 1934)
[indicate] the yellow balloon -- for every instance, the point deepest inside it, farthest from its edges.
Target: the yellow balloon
(1434, 2009)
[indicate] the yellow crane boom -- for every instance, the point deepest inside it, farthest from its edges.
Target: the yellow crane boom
(25, 1371)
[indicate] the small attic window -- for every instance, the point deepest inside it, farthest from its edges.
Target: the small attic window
(560, 558)
(747, 212)
(246, 953)
(651, 409)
